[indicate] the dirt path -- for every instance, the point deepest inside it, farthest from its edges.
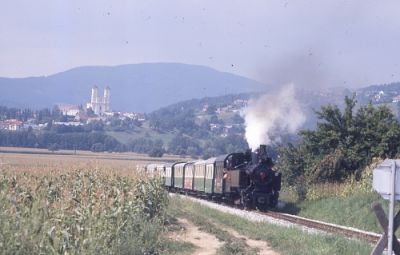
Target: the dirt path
(259, 244)
(206, 244)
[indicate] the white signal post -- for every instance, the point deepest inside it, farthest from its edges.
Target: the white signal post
(391, 207)
(387, 183)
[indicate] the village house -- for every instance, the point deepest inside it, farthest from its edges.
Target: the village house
(11, 124)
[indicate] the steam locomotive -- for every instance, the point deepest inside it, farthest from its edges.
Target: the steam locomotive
(243, 178)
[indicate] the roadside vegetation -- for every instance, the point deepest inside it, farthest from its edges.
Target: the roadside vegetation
(282, 239)
(328, 173)
(345, 203)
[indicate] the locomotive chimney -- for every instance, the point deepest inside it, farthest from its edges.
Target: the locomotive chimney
(263, 150)
(254, 158)
(259, 154)
(262, 153)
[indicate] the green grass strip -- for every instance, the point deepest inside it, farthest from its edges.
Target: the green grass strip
(283, 240)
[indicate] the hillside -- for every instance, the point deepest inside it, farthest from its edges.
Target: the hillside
(379, 94)
(135, 87)
(212, 125)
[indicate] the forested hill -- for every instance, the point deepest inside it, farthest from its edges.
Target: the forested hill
(230, 105)
(134, 87)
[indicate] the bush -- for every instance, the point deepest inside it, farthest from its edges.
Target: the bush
(156, 152)
(53, 147)
(301, 187)
(97, 147)
(353, 185)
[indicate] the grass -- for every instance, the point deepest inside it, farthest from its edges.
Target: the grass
(281, 239)
(354, 211)
(139, 132)
(347, 203)
(177, 247)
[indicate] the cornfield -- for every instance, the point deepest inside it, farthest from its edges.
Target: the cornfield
(83, 211)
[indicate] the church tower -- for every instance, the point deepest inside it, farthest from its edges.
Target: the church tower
(94, 95)
(99, 104)
(107, 99)
(94, 101)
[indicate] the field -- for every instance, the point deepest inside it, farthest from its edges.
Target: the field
(83, 156)
(83, 203)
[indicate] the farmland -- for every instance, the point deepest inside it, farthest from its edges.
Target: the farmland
(80, 203)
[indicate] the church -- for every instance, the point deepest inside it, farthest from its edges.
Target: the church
(99, 104)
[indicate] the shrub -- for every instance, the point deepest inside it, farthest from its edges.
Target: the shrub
(97, 147)
(301, 186)
(53, 147)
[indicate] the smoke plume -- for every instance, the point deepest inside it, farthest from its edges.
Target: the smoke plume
(270, 115)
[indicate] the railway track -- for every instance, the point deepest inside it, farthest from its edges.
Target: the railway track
(325, 227)
(294, 220)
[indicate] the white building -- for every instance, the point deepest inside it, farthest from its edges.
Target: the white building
(69, 110)
(11, 124)
(70, 123)
(99, 104)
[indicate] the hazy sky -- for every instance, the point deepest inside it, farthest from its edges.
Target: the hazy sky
(312, 43)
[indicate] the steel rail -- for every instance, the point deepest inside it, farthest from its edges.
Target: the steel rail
(370, 237)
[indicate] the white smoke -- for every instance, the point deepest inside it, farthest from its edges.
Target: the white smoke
(270, 115)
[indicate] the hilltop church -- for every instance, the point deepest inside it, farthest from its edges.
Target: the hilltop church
(99, 104)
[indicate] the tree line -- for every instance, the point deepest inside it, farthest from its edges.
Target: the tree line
(39, 116)
(55, 141)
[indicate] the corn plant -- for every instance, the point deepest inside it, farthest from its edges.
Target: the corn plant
(80, 212)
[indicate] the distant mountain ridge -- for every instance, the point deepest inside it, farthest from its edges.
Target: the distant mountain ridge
(134, 87)
(150, 86)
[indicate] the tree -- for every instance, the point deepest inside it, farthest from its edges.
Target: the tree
(237, 119)
(53, 147)
(156, 152)
(343, 143)
(97, 147)
(292, 163)
(184, 145)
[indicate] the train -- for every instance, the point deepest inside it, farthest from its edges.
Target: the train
(242, 178)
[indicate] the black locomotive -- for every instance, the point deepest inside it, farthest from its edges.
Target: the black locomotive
(243, 178)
